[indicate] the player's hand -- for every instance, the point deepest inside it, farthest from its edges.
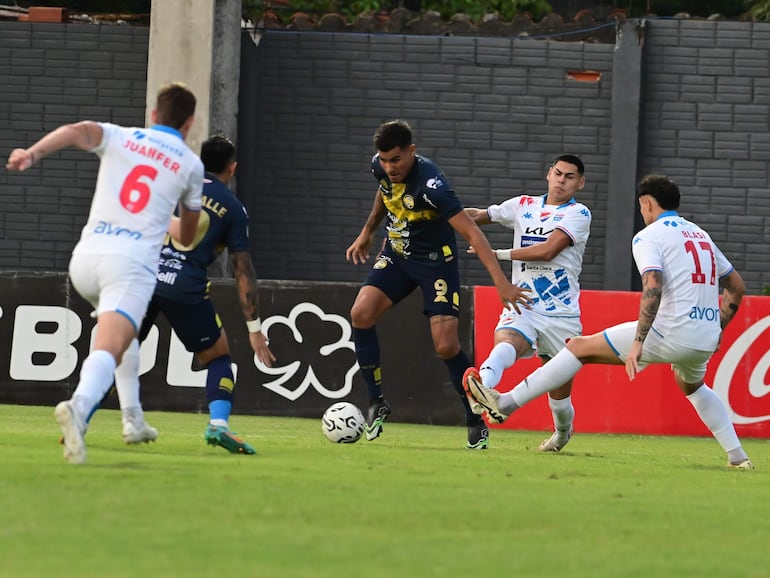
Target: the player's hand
(19, 160)
(259, 344)
(358, 251)
(514, 297)
(632, 359)
(471, 250)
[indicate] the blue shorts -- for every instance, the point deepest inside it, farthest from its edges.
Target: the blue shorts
(398, 277)
(196, 324)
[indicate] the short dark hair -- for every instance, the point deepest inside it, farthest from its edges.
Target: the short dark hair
(662, 189)
(217, 153)
(392, 134)
(571, 159)
(174, 104)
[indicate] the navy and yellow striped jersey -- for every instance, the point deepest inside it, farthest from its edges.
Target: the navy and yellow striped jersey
(183, 270)
(419, 210)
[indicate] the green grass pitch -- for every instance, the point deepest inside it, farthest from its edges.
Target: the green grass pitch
(413, 503)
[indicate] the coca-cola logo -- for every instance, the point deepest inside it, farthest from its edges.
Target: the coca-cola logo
(741, 379)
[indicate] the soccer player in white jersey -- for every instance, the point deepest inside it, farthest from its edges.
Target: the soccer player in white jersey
(144, 174)
(680, 319)
(549, 238)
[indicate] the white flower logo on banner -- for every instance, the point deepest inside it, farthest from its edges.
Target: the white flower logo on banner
(286, 372)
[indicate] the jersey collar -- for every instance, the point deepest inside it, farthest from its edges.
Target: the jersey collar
(665, 214)
(572, 201)
(168, 129)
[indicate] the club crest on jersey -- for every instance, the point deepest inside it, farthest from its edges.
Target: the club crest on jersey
(408, 201)
(544, 216)
(381, 263)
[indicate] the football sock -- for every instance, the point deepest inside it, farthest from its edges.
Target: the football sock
(550, 376)
(368, 356)
(563, 413)
(457, 366)
(127, 381)
(502, 356)
(714, 414)
(220, 383)
(96, 376)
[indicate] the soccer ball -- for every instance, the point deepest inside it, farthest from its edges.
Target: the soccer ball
(343, 423)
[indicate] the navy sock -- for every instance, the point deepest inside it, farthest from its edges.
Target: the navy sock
(457, 366)
(368, 355)
(219, 382)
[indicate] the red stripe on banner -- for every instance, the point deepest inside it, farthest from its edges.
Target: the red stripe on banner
(607, 402)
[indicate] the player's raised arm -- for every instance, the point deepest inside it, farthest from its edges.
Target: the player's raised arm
(358, 251)
(84, 135)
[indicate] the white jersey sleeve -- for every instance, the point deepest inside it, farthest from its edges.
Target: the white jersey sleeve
(143, 174)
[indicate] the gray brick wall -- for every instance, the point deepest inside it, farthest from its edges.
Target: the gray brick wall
(705, 123)
(53, 74)
(492, 112)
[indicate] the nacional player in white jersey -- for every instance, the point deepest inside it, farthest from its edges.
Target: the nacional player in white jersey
(680, 319)
(144, 175)
(549, 239)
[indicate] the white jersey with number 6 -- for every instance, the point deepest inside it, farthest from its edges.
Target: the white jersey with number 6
(691, 265)
(143, 174)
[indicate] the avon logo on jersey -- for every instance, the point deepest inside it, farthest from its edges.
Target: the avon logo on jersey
(701, 313)
(105, 228)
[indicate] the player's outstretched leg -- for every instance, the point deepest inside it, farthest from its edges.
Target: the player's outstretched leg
(378, 412)
(486, 398)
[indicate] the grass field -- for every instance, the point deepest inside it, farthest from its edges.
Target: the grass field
(413, 503)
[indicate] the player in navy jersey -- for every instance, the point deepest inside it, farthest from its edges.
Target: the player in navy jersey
(549, 238)
(423, 214)
(182, 296)
(680, 322)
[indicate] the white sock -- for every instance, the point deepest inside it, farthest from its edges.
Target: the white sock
(563, 413)
(714, 414)
(502, 356)
(96, 376)
(550, 376)
(219, 423)
(127, 380)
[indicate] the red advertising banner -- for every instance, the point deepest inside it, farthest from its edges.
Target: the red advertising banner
(606, 401)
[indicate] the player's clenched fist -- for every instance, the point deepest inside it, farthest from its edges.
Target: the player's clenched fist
(20, 160)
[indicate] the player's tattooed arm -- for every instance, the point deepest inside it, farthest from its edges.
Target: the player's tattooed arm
(246, 283)
(652, 284)
(732, 295)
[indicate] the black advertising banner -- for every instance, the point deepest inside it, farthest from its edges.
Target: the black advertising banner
(46, 331)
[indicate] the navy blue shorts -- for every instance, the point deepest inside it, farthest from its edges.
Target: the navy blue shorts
(196, 324)
(398, 277)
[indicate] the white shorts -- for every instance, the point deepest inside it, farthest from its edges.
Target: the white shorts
(687, 363)
(545, 334)
(113, 283)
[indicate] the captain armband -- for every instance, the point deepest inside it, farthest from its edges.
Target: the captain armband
(503, 254)
(254, 326)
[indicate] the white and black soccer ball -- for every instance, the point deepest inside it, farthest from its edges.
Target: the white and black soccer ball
(343, 423)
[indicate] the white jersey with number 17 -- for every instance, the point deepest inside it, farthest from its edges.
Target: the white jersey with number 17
(143, 174)
(691, 265)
